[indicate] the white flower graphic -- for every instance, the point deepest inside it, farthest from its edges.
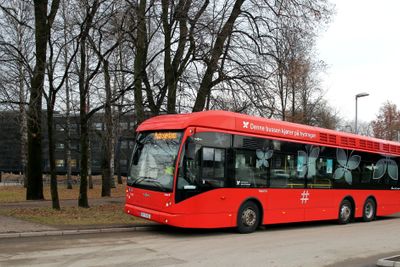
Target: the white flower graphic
(263, 157)
(383, 165)
(347, 164)
(306, 161)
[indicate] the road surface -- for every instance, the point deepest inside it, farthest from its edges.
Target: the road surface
(305, 244)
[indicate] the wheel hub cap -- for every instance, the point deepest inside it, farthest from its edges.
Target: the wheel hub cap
(345, 213)
(368, 210)
(249, 217)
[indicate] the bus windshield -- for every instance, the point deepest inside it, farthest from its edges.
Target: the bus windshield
(153, 160)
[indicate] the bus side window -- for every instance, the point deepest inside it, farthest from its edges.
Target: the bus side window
(247, 172)
(213, 167)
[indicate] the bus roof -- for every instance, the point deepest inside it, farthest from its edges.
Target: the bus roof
(240, 123)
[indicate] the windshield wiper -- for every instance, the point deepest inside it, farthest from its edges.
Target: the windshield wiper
(140, 179)
(150, 179)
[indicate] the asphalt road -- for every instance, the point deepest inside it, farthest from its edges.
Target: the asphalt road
(305, 244)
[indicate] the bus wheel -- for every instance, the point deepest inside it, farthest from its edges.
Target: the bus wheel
(369, 210)
(345, 212)
(248, 217)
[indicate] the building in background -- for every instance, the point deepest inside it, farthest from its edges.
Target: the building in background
(10, 143)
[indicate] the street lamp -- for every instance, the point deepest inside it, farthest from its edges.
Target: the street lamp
(357, 96)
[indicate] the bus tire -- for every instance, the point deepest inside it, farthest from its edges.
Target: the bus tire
(369, 210)
(248, 218)
(345, 212)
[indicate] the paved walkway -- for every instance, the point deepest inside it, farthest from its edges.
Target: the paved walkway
(13, 225)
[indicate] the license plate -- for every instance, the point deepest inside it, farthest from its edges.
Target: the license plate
(145, 215)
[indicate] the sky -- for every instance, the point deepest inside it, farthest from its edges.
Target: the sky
(361, 47)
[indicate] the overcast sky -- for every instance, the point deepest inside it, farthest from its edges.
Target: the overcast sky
(362, 50)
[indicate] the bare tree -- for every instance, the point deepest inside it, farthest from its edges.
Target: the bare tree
(67, 139)
(16, 56)
(84, 84)
(43, 24)
(176, 15)
(140, 58)
(107, 162)
(51, 97)
(212, 63)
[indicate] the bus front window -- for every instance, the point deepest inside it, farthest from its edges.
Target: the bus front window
(153, 160)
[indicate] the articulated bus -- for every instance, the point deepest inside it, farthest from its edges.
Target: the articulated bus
(217, 169)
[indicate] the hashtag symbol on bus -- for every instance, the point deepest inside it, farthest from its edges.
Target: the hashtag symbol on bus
(304, 197)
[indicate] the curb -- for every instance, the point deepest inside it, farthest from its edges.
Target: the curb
(76, 232)
(393, 261)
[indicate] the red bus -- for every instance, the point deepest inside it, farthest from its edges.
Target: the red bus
(221, 169)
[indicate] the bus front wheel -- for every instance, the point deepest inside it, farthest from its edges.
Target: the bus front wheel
(248, 217)
(369, 210)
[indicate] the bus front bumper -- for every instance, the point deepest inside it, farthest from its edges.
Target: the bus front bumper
(149, 214)
(216, 220)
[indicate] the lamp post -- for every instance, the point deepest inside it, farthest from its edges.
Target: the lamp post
(358, 96)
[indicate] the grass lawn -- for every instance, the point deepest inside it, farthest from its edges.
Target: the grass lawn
(68, 216)
(18, 193)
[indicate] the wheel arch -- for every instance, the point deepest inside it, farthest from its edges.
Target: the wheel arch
(371, 197)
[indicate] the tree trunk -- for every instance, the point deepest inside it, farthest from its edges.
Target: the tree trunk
(118, 160)
(53, 175)
(89, 163)
(22, 110)
(106, 175)
(68, 139)
(83, 187)
(116, 124)
(84, 106)
(34, 188)
(43, 23)
(113, 133)
(140, 59)
(84, 133)
(282, 91)
(89, 148)
(23, 125)
(168, 72)
(171, 66)
(68, 104)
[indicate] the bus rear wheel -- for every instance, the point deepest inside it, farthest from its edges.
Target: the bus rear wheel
(345, 212)
(248, 218)
(369, 211)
